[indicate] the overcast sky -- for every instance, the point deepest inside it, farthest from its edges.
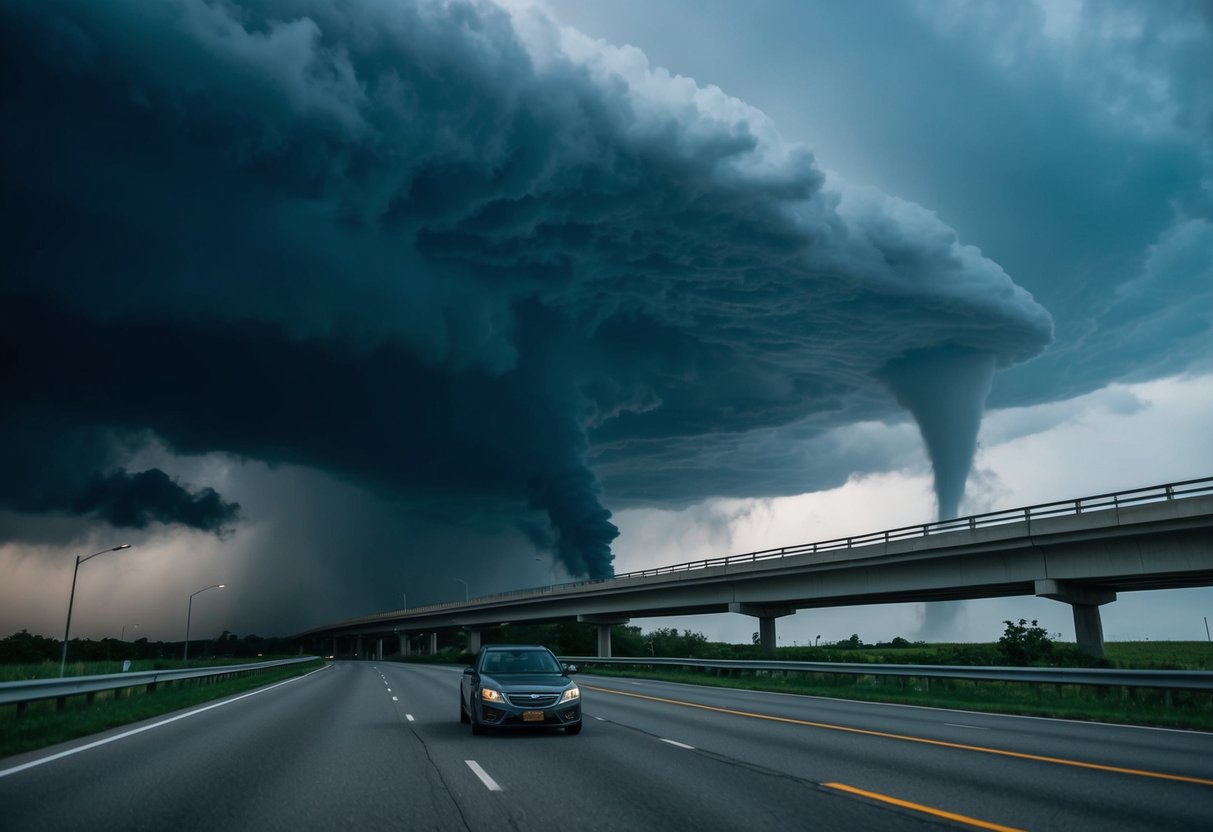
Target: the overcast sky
(345, 305)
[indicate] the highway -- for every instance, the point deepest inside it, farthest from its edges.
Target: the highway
(378, 745)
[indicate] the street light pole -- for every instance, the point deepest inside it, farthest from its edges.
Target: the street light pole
(122, 637)
(465, 588)
(72, 600)
(190, 611)
(552, 571)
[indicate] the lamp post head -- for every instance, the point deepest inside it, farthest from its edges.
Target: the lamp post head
(123, 546)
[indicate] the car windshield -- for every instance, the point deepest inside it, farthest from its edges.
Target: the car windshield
(520, 661)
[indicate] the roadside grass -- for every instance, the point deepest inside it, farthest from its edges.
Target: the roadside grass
(1161, 655)
(1133, 706)
(42, 724)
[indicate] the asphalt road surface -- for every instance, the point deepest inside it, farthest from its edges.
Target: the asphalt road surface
(369, 746)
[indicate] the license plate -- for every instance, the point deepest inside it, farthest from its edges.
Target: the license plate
(532, 716)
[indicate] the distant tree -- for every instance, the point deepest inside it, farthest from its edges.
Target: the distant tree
(24, 648)
(1022, 644)
(667, 641)
(568, 638)
(626, 640)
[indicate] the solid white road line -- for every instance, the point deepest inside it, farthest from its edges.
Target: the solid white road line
(489, 782)
(132, 732)
(679, 744)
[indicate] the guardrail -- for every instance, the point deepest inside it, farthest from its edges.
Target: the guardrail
(1061, 508)
(31, 690)
(1106, 677)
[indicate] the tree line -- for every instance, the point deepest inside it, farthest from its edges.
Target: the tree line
(26, 648)
(1022, 644)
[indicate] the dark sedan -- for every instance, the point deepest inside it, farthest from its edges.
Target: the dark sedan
(519, 686)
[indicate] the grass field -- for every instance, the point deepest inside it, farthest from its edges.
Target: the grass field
(1161, 655)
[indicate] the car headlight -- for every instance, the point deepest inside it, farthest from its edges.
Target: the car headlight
(570, 695)
(490, 695)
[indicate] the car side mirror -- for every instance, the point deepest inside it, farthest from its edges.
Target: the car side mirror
(570, 668)
(467, 671)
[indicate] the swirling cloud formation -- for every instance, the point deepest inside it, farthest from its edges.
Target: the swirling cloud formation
(451, 252)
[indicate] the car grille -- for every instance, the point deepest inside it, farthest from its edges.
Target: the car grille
(532, 700)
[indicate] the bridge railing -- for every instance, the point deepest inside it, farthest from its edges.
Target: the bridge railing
(1060, 508)
(1082, 505)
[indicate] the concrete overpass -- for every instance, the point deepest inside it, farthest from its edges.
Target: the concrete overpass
(1079, 552)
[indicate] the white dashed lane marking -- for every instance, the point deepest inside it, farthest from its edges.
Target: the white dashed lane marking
(489, 782)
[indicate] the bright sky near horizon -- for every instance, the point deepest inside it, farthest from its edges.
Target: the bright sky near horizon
(343, 305)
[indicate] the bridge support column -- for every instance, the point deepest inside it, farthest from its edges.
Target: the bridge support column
(604, 624)
(766, 616)
(358, 649)
(1085, 601)
(378, 649)
(403, 638)
(473, 640)
(434, 643)
(335, 654)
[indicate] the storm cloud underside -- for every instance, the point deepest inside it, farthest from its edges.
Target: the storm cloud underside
(453, 254)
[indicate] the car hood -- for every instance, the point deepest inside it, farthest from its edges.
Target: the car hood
(530, 681)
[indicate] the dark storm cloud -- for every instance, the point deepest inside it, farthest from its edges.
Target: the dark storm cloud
(135, 500)
(62, 468)
(450, 253)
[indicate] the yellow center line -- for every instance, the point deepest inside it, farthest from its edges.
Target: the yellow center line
(918, 807)
(1201, 781)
